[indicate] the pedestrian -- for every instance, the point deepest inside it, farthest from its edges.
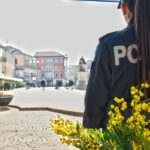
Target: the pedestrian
(27, 86)
(122, 59)
(5, 86)
(8, 86)
(71, 83)
(43, 84)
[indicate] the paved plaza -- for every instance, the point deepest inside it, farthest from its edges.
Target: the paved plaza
(65, 99)
(29, 130)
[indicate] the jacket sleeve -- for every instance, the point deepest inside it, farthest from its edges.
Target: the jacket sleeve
(97, 93)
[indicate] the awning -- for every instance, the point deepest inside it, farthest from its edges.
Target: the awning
(10, 78)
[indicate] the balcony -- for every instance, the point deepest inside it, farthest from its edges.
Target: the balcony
(3, 69)
(19, 68)
(3, 59)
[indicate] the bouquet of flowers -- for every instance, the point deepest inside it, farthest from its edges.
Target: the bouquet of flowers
(4, 94)
(132, 133)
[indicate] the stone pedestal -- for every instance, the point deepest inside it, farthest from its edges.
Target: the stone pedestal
(82, 80)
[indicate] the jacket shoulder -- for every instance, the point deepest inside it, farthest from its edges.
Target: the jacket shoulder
(101, 39)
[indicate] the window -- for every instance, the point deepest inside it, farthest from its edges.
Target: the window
(47, 68)
(43, 68)
(51, 68)
(47, 60)
(42, 60)
(61, 60)
(56, 68)
(56, 60)
(62, 67)
(51, 61)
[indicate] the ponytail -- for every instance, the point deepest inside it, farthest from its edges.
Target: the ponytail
(142, 25)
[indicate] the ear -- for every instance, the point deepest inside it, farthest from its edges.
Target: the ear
(124, 9)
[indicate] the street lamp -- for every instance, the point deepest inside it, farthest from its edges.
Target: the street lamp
(66, 58)
(35, 62)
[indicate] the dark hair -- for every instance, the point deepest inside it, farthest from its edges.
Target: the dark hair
(142, 25)
(130, 4)
(141, 13)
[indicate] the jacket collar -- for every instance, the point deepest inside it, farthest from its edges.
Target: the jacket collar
(131, 22)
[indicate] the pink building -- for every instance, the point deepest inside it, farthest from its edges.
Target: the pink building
(52, 66)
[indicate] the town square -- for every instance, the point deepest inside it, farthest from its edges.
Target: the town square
(75, 75)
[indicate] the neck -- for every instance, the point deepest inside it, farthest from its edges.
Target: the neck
(130, 16)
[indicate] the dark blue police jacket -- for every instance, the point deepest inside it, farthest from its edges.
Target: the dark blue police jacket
(113, 71)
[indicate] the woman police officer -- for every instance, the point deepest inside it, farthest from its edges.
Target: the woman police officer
(122, 59)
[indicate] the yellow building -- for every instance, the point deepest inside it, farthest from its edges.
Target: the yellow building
(7, 63)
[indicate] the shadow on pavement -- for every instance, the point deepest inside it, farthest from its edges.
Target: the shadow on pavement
(4, 109)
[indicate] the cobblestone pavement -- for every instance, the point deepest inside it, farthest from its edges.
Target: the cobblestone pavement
(29, 130)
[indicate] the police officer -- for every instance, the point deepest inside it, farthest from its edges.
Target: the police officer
(114, 69)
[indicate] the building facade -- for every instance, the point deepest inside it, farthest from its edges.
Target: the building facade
(10, 64)
(7, 63)
(25, 69)
(52, 66)
(72, 73)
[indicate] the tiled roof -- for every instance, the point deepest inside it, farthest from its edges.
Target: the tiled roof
(15, 51)
(48, 53)
(12, 49)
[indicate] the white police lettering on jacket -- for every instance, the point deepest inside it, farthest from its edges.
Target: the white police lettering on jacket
(121, 52)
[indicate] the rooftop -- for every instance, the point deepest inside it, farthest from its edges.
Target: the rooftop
(48, 53)
(14, 50)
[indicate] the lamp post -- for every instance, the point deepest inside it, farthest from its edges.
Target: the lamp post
(34, 61)
(66, 59)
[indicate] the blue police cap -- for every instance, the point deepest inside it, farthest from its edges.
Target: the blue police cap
(119, 6)
(132, 2)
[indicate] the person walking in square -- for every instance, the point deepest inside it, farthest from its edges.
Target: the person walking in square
(43, 84)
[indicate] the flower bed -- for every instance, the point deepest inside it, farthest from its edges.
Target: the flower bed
(132, 133)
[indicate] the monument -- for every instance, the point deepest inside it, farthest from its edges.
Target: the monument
(82, 75)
